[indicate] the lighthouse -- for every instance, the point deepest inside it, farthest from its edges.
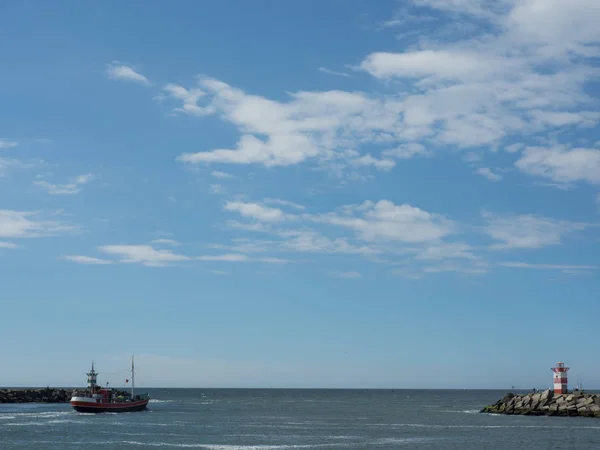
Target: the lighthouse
(92, 374)
(560, 378)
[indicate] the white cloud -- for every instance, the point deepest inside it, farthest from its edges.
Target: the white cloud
(386, 221)
(165, 242)
(12, 163)
(390, 234)
(514, 148)
(348, 274)
(371, 221)
(405, 151)
(239, 257)
(312, 242)
(228, 257)
(527, 231)
(368, 160)
(142, 254)
(556, 26)
(523, 265)
(118, 71)
(218, 174)
(85, 178)
(476, 269)
(565, 118)
(217, 189)
(468, 268)
(452, 250)
(7, 144)
(487, 9)
(333, 72)
(256, 211)
(487, 172)
(58, 189)
(272, 260)
(516, 81)
(23, 224)
(471, 157)
(190, 98)
(311, 125)
(219, 272)
(561, 165)
(442, 64)
(85, 259)
(277, 201)
(11, 245)
(73, 187)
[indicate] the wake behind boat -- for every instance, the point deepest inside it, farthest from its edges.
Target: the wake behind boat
(96, 399)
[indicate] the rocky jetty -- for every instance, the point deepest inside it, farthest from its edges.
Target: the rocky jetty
(47, 395)
(547, 403)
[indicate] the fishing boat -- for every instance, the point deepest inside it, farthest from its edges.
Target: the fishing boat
(96, 399)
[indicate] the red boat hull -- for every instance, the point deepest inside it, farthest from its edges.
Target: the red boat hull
(87, 407)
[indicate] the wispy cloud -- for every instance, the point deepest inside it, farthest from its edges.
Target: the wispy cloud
(219, 272)
(7, 144)
(527, 231)
(8, 164)
(256, 211)
(351, 274)
(333, 72)
(73, 187)
(165, 242)
(143, 254)
(11, 245)
(228, 257)
(561, 165)
(85, 259)
(217, 189)
(218, 174)
(123, 72)
(385, 233)
(487, 173)
(284, 203)
(29, 224)
(524, 265)
(189, 98)
(240, 257)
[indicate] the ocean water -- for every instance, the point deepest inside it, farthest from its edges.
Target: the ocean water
(271, 419)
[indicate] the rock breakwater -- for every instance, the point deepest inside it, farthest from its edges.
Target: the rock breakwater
(46, 395)
(547, 403)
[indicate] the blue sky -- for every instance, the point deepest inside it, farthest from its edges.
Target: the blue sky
(300, 194)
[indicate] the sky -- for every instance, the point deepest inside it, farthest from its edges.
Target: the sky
(394, 194)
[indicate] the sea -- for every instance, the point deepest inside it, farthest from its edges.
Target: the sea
(273, 419)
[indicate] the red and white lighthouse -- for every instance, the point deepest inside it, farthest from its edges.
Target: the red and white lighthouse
(560, 378)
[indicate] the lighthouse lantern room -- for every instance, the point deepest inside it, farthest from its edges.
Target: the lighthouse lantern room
(560, 378)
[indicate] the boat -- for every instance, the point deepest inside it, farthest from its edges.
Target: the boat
(96, 399)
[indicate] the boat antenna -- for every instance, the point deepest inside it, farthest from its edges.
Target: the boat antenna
(132, 377)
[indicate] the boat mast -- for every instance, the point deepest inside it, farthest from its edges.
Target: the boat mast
(132, 377)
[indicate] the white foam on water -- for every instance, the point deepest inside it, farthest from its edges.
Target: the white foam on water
(43, 415)
(153, 400)
(7, 416)
(230, 446)
(26, 424)
(386, 441)
(436, 426)
(461, 411)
